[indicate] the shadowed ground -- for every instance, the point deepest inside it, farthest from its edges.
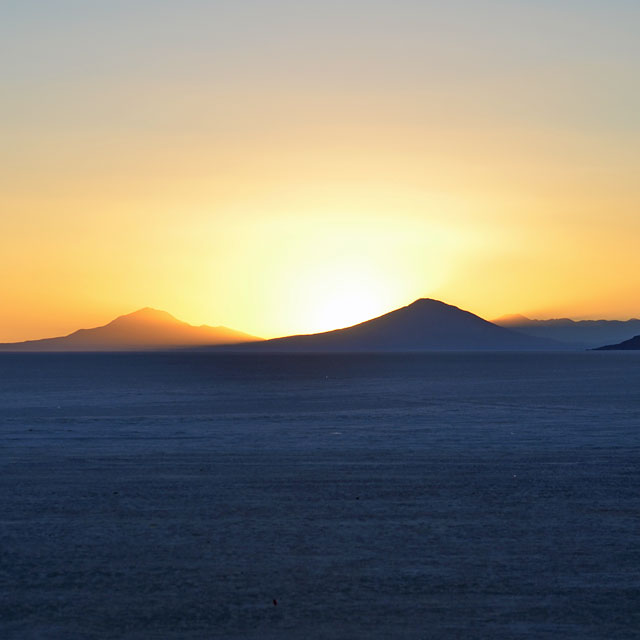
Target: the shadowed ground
(448, 496)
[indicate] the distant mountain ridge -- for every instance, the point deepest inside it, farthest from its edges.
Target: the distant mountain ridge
(581, 333)
(145, 329)
(424, 325)
(633, 344)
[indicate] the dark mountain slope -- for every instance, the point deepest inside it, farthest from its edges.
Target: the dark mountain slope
(424, 325)
(628, 345)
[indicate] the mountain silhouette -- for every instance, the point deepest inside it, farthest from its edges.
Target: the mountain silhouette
(424, 325)
(145, 329)
(580, 333)
(632, 344)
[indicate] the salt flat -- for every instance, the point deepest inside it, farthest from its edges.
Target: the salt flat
(370, 496)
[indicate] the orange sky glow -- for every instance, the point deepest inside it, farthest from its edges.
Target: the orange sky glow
(283, 167)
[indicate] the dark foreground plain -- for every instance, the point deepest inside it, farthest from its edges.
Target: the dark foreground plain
(371, 496)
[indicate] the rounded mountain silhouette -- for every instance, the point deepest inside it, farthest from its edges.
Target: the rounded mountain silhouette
(141, 330)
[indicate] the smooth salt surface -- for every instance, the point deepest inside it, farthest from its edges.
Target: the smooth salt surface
(370, 496)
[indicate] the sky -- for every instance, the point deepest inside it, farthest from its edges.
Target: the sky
(294, 166)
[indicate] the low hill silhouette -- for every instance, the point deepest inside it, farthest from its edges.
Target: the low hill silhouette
(580, 333)
(424, 325)
(145, 329)
(628, 345)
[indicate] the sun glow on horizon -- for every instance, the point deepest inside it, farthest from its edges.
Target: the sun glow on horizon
(343, 299)
(320, 271)
(283, 171)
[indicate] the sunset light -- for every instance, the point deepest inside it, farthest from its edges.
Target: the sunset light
(280, 184)
(320, 319)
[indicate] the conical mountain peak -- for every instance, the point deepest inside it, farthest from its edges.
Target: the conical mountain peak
(424, 325)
